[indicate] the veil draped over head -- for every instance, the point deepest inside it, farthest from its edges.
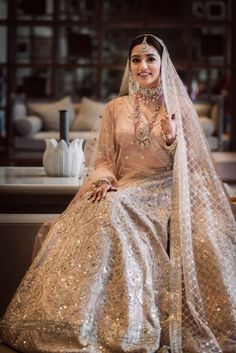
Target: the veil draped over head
(202, 232)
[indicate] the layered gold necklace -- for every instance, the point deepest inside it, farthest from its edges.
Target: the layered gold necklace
(143, 129)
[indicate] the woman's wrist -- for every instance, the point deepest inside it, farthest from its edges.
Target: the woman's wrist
(100, 182)
(168, 138)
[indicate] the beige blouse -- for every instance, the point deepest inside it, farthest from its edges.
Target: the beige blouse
(118, 150)
(119, 157)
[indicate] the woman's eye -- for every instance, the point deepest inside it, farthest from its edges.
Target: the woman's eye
(151, 59)
(135, 60)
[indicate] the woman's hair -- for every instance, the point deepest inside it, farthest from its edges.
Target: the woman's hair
(151, 40)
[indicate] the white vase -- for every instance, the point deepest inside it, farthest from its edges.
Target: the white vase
(62, 160)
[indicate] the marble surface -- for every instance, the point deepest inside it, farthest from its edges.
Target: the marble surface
(34, 179)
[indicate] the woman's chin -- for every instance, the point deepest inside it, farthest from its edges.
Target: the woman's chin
(147, 85)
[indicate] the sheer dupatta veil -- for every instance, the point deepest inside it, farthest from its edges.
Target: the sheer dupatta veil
(203, 232)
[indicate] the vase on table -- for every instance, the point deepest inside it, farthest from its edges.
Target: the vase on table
(63, 158)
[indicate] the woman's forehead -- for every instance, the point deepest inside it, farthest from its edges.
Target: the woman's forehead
(151, 50)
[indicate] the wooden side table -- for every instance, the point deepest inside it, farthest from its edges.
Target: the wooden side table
(29, 190)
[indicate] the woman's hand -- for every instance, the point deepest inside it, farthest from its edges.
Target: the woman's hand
(168, 125)
(100, 192)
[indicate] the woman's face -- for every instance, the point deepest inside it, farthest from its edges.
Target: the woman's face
(145, 67)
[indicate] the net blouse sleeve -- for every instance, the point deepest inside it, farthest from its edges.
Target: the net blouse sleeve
(105, 154)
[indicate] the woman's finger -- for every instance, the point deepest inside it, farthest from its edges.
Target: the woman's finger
(105, 190)
(91, 194)
(101, 192)
(93, 198)
(96, 195)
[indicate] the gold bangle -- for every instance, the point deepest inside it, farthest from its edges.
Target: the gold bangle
(171, 148)
(100, 182)
(170, 141)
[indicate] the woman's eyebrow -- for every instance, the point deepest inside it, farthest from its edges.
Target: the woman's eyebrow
(147, 55)
(152, 54)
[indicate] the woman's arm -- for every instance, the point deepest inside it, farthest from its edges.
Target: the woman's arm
(103, 177)
(169, 133)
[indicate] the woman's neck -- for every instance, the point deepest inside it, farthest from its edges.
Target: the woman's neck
(148, 95)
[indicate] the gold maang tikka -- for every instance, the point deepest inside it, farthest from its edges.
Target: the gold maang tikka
(144, 47)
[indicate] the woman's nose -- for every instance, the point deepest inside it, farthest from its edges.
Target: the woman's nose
(143, 64)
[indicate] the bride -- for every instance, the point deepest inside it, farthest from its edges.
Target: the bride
(144, 257)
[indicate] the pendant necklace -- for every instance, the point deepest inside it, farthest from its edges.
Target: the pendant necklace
(142, 129)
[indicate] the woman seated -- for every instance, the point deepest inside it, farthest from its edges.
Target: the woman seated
(143, 259)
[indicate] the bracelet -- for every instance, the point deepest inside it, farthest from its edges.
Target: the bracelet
(100, 182)
(171, 148)
(170, 141)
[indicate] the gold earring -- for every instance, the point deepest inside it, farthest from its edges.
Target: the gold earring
(133, 84)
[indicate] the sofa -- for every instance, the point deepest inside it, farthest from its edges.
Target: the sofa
(211, 115)
(41, 121)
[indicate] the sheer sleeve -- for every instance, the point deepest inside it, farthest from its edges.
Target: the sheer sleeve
(106, 152)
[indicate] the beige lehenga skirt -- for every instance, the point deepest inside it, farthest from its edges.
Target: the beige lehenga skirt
(100, 280)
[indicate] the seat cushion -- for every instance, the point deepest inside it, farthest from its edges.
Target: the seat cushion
(49, 112)
(88, 114)
(28, 126)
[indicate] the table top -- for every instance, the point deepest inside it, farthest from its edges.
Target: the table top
(34, 179)
(226, 156)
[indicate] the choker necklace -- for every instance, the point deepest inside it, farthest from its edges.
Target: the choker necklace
(142, 129)
(148, 95)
